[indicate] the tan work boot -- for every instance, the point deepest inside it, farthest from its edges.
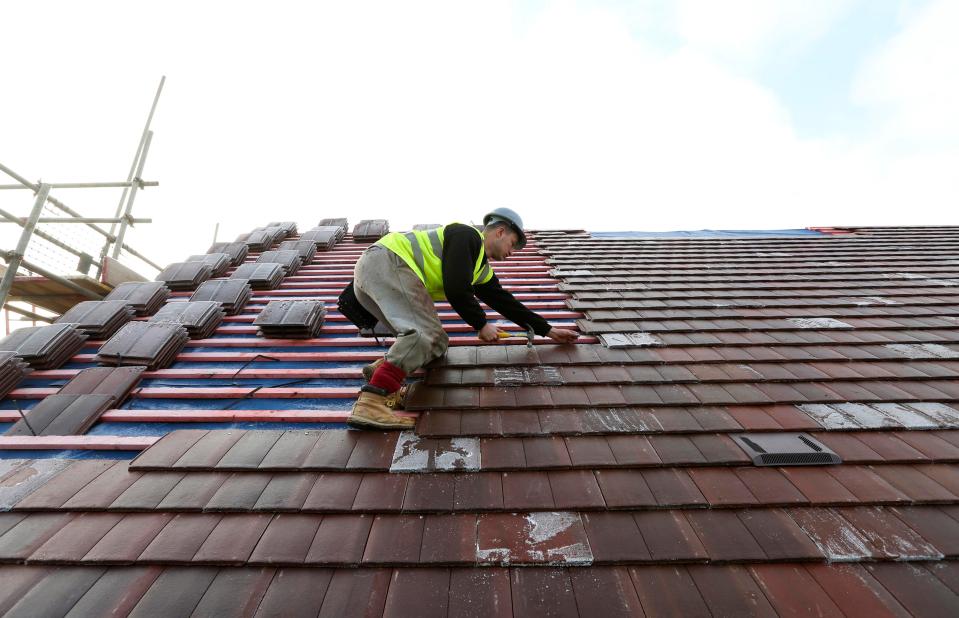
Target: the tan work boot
(371, 411)
(397, 400)
(371, 368)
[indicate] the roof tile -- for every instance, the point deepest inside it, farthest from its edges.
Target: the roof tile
(724, 536)
(286, 540)
(792, 590)
(193, 491)
(575, 489)
(449, 539)
(684, 600)
(381, 492)
(721, 486)
(285, 492)
(429, 492)
(914, 586)
(240, 491)
(295, 592)
(855, 591)
(356, 593)
(394, 539)
(117, 591)
(819, 488)
(128, 538)
(730, 590)
(104, 489)
(221, 599)
(55, 595)
(479, 491)
(147, 491)
(420, 592)
(669, 536)
(526, 491)
(615, 537)
(334, 491)
(63, 486)
(180, 539)
(175, 592)
(71, 542)
(542, 592)
(233, 539)
(340, 539)
(624, 489)
(673, 487)
(605, 591)
(208, 450)
(779, 535)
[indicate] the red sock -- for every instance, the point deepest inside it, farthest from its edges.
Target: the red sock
(389, 377)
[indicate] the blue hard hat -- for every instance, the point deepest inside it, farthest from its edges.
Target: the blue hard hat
(510, 217)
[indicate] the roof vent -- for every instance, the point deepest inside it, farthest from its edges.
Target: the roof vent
(785, 449)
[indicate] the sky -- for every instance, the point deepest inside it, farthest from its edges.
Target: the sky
(603, 115)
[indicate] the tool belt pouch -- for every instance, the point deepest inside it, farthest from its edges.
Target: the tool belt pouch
(351, 308)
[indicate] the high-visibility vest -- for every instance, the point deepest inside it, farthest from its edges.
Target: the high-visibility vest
(422, 250)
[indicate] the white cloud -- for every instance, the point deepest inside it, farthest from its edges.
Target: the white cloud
(913, 79)
(748, 32)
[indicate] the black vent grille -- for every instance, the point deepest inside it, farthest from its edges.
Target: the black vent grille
(796, 459)
(786, 449)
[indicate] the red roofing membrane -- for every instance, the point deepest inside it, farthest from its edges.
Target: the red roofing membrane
(595, 479)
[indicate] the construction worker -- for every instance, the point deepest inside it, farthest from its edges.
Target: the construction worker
(397, 281)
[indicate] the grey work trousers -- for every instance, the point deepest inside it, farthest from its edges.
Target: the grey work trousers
(389, 289)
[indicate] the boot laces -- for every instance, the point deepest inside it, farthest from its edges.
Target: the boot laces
(395, 399)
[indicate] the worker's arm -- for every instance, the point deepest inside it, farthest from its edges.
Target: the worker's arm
(504, 303)
(461, 248)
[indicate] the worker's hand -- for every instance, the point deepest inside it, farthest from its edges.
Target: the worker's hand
(490, 333)
(562, 335)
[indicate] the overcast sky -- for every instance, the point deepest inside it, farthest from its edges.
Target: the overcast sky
(604, 115)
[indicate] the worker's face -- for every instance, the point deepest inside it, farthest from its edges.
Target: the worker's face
(501, 243)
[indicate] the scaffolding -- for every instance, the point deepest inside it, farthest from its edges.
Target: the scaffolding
(26, 280)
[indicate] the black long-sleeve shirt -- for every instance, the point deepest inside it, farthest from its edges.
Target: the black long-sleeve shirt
(461, 248)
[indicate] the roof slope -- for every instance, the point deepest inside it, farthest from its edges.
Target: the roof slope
(554, 480)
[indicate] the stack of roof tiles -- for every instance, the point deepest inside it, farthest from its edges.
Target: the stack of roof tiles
(340, 222)
(45, 347)
(559, 480)
(12, 371)
(145, 297)
(219, 262)
(78, 405)
(289, 259)
(185, 275)
(262, 238)
(260, 276)
(288, 227)
(236, 250)
(324, 238)
(200, 318)
(232, 294)
(257, 240)
(305, 248)
(371, 230)
(98, 318)
(151, 344)
(291, 319)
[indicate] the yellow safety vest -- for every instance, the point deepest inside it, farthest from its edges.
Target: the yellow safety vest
(422, 250)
